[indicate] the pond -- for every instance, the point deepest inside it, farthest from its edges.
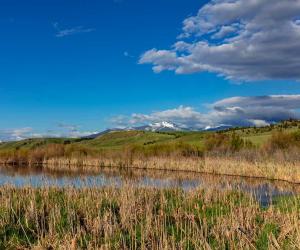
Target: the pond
(263, 190)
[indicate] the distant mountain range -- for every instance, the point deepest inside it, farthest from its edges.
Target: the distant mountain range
(160, 126)
(163, 126)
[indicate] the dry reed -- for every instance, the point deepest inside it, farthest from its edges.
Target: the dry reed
(136, 218)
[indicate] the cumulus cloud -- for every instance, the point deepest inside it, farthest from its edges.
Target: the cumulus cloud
(182, 116)
(239, 39)
(71, 31)
(271, 101)
(235, 111)
(63, 130)
(15, 134)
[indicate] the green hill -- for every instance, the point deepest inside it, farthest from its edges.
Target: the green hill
(34, 143)
(119, 139)
(123, 138)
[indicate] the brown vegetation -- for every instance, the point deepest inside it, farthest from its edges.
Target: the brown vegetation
(130, 218)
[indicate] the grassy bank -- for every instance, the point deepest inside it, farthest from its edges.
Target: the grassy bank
(272, 170)
(130, 218)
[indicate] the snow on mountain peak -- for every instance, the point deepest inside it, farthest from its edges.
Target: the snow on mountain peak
(163, 124)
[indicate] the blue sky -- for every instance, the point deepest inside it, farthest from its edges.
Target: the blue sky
(78, 65)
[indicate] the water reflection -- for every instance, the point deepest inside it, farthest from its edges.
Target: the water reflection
(263, 190)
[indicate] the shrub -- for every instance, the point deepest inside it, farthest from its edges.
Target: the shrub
(74, 150)
(163, 150)
(226, 142)
(280, 141)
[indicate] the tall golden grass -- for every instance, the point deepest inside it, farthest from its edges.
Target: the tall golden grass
(139, 218)
(286, 171)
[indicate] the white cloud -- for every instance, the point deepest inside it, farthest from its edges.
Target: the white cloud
(259, 123)
(15, 134)
(64, 130)
(235, 111)
(240, 39)
(182, 116)
(71, 31)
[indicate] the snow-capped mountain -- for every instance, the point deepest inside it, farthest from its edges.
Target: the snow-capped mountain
(160, 126)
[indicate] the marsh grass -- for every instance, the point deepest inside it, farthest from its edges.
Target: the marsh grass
(219, 165)
(144, 218)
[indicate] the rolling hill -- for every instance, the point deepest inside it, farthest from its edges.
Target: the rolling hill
(115, 139)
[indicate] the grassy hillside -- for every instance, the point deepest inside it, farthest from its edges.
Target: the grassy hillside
(34, 143)
(119, 139)
(257, 136)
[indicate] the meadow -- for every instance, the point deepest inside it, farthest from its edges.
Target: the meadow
(144, 218)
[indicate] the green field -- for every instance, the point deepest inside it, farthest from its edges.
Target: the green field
(119, 139)
(33, 143)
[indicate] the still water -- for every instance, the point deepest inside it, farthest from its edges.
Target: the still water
(263, 190)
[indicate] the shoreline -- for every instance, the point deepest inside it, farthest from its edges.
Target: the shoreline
(282, 172)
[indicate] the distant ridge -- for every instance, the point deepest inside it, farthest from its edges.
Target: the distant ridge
(152, 127)
(93, 136)
(160, 126)
(163, 126)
